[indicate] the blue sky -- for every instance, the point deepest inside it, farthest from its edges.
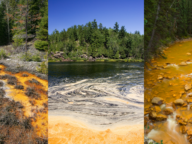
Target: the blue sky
(66, 13)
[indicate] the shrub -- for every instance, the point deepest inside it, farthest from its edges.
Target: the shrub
(19, 87)
(17, 41)
(1, 83)
(30, 92)
(2, 92)
(36, 58)
(24, 75)
(29, 57)
(43, 68)
(41, 45)
(35, 81)
(2, 54)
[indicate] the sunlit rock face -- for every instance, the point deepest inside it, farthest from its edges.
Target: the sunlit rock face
(170, 80)
(99, 105)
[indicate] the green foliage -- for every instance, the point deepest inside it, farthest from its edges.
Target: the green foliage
(42, 34)
(36, 25)
(116, 27)
(117, 55)
(166, 21)
(17, 41)
(97, 42)
(29, 57)
(43, 68)
(41, 45)
(2, 54)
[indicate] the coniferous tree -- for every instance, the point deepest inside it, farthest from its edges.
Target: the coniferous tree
(96, 42)
(116, 27)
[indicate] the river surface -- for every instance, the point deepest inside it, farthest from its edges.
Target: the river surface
(102, 95)
(170, 80)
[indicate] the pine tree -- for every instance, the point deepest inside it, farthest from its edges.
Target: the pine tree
(42, 34)
(116, 27)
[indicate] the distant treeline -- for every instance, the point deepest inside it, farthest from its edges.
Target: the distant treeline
(22, 20)
(166, 21)
(97, 41)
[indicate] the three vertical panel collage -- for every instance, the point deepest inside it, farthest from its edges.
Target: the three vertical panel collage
(95, 72)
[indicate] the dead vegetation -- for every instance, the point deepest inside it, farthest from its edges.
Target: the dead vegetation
(19, 87)
(1, 83)
(31, 92)
(34, 81)
(2, 93)
(12, 80)
(14, 126)
(24, 75)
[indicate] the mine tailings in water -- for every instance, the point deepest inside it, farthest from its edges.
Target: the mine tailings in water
(168, 95)
(32, 94)
(96, 102)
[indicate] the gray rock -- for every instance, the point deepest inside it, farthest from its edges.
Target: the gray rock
(157, 101)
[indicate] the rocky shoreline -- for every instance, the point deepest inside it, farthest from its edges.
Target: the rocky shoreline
(58, 56)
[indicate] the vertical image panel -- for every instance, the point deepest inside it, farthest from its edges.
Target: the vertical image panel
(96, 72)
(23, 72)
(167, 71)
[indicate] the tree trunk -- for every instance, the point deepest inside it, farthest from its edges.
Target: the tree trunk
(26, 27)
(8, 23)
(153, 32)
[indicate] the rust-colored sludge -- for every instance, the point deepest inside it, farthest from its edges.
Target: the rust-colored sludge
(168, 95)
(63, 130)
(36, 108)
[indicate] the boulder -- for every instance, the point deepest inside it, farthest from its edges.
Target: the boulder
(167, 111)
(182, 122)
(161, 117)
(153, 115)
(84, 56)
(179, 102)
(160, 77)
(156, 109)
(58, 54)
(189, 132)
(183, 129)
(91, 58)
(157, 101)
(183, 64)
(187, 86)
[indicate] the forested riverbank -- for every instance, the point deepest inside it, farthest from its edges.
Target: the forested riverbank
(24, 33)
(168, 71)
(166, 22)
(23, 70)
(92, 41)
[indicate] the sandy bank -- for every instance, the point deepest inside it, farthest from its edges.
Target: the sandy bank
(64, 129)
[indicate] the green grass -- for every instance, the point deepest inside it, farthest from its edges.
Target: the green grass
(100, 60)
(2, 54)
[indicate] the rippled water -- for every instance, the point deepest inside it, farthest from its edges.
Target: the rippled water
(113, 91)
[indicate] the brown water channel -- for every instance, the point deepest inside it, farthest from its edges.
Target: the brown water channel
(168, 96)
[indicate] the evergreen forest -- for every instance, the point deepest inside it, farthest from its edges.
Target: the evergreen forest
(97, 41)
(165, 22)
(22, 21)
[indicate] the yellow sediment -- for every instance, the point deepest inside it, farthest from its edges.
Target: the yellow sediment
(166, 78)
(41, 122)
(65, 130)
